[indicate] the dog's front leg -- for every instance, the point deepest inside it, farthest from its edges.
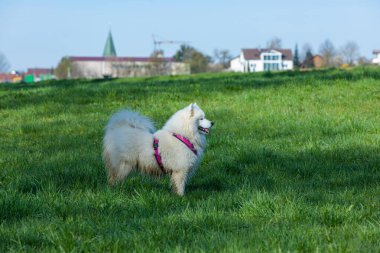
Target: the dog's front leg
(178, 179)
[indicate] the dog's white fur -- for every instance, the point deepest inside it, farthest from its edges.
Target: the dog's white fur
(128, 145)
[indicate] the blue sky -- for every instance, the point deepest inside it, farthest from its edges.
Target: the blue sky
(37, 33)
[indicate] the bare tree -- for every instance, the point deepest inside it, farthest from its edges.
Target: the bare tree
(349, 52)
(4, 65)
(222, 57)
(274, 43)
(157, 66)
(306, 48)
(328, 52)
(309, 59)
(363, 61)
(157, 53)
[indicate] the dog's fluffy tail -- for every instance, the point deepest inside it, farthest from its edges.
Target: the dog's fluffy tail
(131, 119)
(121, 121)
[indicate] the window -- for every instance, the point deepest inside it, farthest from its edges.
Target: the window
(272, 61)
(271, 66)
(271, 57)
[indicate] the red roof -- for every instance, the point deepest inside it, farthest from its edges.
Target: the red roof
(132, 59)
(38, 71)
(254, 53)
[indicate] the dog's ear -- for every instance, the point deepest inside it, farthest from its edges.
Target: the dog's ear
(191, 107)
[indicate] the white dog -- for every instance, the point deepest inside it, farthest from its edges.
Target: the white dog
(130, 142)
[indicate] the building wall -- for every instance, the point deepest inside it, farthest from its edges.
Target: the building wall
(100, 69)
(289, 65)
(376, 60)
(259, 65)
(253, 66)
(318, 61)
(10, 78)
(236, 65)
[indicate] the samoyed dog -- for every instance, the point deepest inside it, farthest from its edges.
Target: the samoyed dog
(131, 142)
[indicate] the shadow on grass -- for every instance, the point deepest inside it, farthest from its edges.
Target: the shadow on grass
(74, 162)
(313, 174)
(330, 170)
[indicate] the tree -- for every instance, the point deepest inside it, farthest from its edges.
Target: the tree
(363, 61)
(157, 53)
(222, 57)
(274, 43)
(309, 59)
(328, 53)
(158, 66)
(64, 69)
(349, 52)
(296, 60)
(198, 61)
(184, 53)
(305, 48)
(4, 65)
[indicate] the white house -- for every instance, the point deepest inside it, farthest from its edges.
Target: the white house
(376, 59)
(255, 60)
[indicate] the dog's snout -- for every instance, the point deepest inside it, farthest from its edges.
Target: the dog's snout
(212, 123)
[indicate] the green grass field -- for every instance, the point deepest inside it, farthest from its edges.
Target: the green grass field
(292, 165)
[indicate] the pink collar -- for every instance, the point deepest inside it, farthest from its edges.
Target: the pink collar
(186, 142)
(158, 156)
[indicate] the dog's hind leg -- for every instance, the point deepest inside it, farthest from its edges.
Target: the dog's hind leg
(110, 169)
(116, 175)
(178, 179)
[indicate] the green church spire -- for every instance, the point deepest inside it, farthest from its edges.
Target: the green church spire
(109, 49)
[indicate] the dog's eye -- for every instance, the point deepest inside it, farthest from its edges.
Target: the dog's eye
(201, 119)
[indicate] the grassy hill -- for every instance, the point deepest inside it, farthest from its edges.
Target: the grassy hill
(293, 164)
